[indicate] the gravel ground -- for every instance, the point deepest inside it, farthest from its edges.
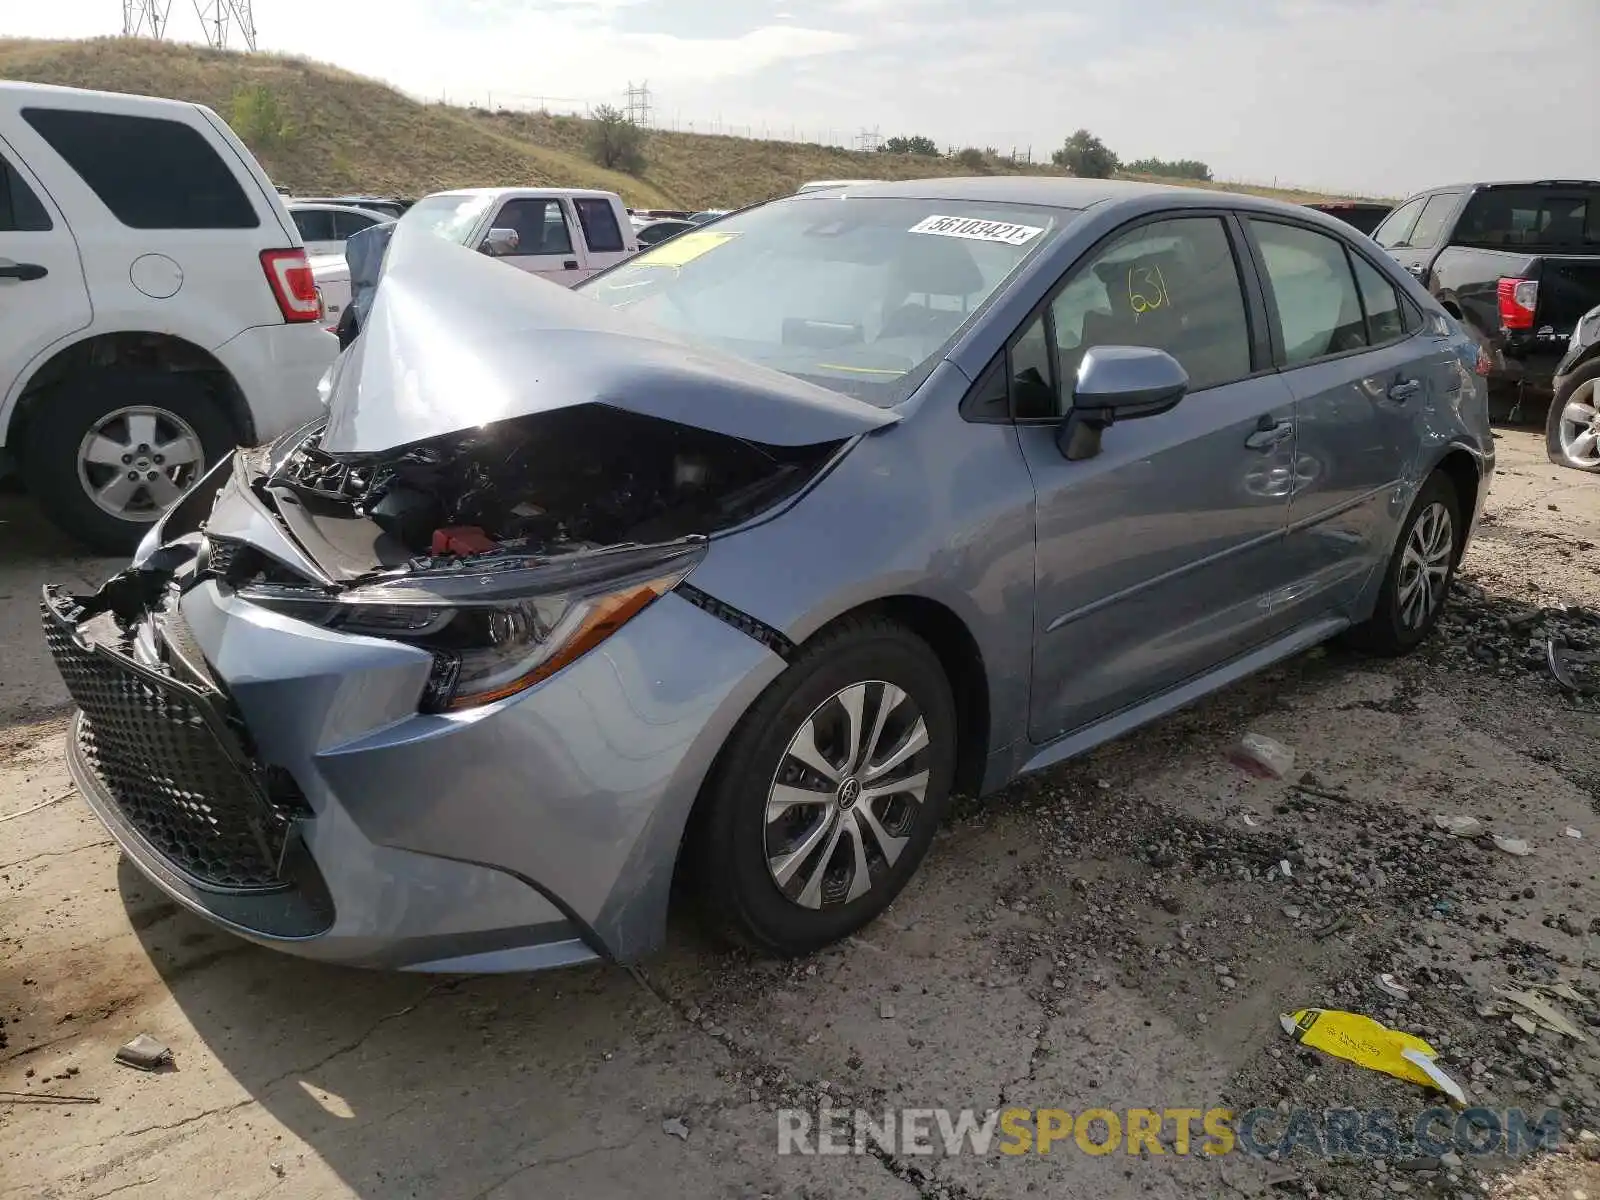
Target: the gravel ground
(1116, 933)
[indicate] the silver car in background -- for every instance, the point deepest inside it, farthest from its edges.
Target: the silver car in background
(732, 564)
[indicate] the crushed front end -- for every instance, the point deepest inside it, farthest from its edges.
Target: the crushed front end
(417, 685)
(415, 709)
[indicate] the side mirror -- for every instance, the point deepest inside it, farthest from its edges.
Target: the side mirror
(1117, 383)
(501, 242)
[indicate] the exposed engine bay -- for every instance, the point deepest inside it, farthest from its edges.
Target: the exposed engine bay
(551, 484)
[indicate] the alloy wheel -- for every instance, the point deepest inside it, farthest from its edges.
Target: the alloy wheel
(1579, 429)
(134, 462)
(1425, 565)
(846, 795)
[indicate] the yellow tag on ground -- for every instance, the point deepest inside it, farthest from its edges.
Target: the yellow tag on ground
(684, 248)
(1367, 1043)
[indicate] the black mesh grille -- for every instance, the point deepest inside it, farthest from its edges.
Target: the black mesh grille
(163, 752)
(221, 554)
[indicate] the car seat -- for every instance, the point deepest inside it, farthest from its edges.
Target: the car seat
(942, 267)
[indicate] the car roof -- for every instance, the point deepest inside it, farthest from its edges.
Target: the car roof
(1506, 183)
(332, 206)
(522, 191)
(1051, 191)
(1065, 193)
(111, 101)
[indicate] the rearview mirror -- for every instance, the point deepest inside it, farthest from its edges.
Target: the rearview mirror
(1118, 383)
(500, 242)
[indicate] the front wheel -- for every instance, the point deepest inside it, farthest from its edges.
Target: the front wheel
(828, 794)
(1417, 580)
(1572, 428)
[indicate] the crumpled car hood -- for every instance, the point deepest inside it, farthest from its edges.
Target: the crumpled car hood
(456, 340)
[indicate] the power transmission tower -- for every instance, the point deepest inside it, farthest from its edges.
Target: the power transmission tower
(869, 139)
(145, 18)
(639, 104)
(217, 17)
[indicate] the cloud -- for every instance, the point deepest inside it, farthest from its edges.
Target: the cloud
(1376, 95)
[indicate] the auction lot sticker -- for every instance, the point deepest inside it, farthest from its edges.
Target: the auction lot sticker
(685, 248)
(978, 231)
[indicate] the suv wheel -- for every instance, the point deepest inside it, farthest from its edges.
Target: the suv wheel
(1572, 429)
(109, 451)
(1417, 581)
(828, 794)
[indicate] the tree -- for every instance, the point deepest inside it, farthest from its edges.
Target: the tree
(1086, 156)
(259, 119)
(1181, 168)
(973, 159)
(614, 141)
(915, 144)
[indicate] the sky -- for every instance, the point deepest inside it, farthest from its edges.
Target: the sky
(1380, 97)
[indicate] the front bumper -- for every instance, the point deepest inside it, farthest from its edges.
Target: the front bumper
(536, 832)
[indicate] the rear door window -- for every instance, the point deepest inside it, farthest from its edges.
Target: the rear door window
(1311, 291)
(599, 223)
(314, 224)
(346, 224)
(152, 173)
(20, 209)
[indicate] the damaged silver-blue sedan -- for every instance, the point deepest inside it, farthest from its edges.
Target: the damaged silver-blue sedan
(728, 567)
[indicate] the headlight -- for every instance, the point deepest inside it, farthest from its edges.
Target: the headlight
(498, 627)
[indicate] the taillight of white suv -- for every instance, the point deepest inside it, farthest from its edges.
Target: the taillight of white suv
(289, 276)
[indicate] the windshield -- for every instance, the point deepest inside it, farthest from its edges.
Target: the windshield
(451, 216)
(859, 295)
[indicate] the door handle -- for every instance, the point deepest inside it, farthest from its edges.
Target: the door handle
(570, 265)
(1267, 435)
(23, 272)
(1404, 389)
(1417, 270)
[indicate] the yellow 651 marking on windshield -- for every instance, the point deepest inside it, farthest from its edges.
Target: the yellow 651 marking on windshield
(1147, 290)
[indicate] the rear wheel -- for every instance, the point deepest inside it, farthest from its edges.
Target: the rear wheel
(828, 795)
(107, 452)
(1572, 428)
(1417, 580)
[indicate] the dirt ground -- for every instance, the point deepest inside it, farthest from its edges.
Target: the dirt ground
(1118, 933)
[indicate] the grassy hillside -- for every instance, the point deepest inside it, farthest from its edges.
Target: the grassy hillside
(339, 132)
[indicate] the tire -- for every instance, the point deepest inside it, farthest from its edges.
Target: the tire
(1392, 629)
(176, 409)
(1580, 390)
(732, 842)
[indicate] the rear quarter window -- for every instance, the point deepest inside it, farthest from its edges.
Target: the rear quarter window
(152, 173)
(1537, 217)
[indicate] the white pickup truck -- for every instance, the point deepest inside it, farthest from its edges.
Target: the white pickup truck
(562, 234)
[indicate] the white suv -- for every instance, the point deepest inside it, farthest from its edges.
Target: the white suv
(156, 305)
